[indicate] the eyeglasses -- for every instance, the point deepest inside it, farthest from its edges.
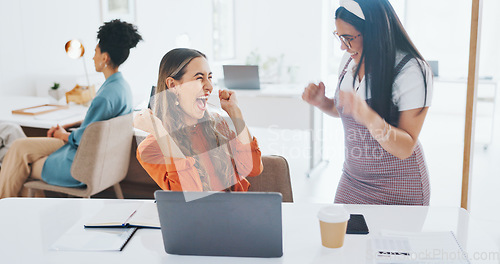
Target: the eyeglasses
(344, 39)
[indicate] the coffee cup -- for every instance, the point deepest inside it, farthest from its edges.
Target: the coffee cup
(333, 225)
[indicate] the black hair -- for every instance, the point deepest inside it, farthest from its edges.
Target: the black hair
(383, 35)
(117, 37)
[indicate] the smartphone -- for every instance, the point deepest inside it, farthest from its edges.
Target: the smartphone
(357, 225)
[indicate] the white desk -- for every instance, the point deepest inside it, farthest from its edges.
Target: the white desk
(45, 121)
(29, 226)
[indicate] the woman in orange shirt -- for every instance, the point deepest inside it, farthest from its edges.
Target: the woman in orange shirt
(190, 149)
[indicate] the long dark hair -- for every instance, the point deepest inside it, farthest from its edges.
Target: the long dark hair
(383, 35)
(174, 64)
(117, 37)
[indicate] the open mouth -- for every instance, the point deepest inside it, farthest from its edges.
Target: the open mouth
(354, 54)
(201, 102)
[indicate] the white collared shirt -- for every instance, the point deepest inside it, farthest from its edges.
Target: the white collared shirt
(408, 89)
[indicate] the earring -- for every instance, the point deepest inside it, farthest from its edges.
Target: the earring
(176, 102)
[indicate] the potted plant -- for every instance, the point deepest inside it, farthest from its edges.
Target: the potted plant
(55, 92)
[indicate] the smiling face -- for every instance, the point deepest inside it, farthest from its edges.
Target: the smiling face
(193, 90)
(350, 33)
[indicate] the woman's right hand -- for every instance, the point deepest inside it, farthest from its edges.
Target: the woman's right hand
(229, 104)
(144, 121)
(314, 94)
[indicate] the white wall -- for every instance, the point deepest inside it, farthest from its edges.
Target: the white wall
(441, 35)
(288, 27)
(490, 39)
(441, 31)
(33, 36)
(160, 22)
(34, 32)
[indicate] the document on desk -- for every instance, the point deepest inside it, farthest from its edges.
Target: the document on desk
(59, 115)
(424, 247)
(79, 238)
(142, 214)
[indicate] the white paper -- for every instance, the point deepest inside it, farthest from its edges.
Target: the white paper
(425, 247)
(115, 214)
(146, 215)
(142, 214)
(79, 238)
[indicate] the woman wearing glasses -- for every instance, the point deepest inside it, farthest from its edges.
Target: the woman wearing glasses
(383, 94)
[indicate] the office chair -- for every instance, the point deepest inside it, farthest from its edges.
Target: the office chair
(274, 178)
(101, 161)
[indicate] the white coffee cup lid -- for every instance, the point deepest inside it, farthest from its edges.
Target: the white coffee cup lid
(333, 214)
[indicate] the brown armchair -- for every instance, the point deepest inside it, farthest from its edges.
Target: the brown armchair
(274, 178)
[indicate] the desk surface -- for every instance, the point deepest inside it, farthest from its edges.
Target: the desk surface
(64, 116)
(29, 226)
(45, 121)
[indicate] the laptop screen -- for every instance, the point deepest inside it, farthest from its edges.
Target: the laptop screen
(241, 76)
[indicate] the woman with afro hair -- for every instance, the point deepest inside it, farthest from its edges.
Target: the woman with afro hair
(50, 158)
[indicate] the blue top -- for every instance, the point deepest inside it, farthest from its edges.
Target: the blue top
(113, 99)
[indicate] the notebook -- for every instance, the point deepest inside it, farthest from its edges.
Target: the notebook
(422, 247)
(142, 214)
(241, 224)
(241, 76)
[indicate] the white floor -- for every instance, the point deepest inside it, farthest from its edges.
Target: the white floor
(442, 139)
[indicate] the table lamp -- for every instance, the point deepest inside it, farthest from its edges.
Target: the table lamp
(75, 50)
(80, 94)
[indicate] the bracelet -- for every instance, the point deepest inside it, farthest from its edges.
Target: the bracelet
(387, 132)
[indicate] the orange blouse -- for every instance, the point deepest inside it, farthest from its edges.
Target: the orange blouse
(183, 175)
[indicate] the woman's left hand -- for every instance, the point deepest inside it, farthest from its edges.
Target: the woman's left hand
(229, 103)
(351, 104)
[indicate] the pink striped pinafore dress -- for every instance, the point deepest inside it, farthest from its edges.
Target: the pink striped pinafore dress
(371, 175)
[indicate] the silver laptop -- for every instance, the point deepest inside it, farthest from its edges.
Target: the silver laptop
(239, 224)
(241, 76)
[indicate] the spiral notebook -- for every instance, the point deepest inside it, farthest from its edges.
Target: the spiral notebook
(423, 247)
